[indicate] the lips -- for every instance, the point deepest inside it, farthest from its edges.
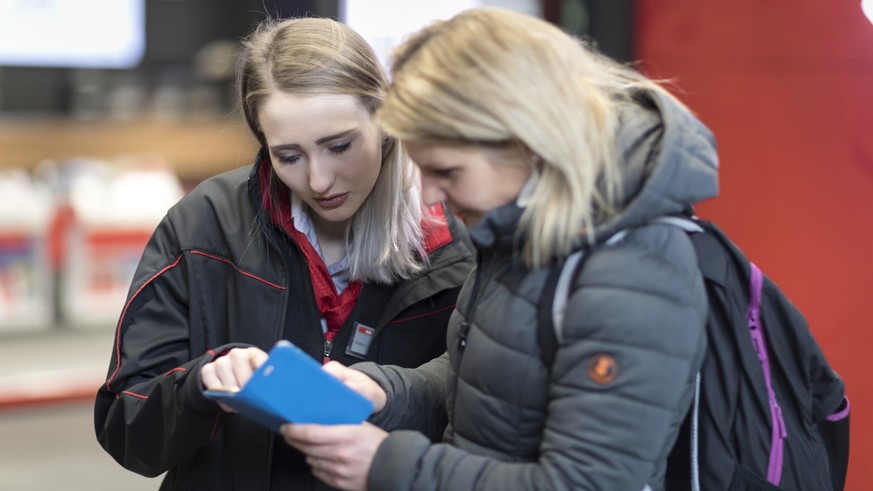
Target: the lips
(332, 202)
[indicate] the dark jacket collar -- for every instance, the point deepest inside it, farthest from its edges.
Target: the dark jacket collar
(496, 229)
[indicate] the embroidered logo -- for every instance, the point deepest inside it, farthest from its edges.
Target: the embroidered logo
(602, 368)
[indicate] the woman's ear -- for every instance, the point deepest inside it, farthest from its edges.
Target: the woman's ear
(536, 163)
(388, 144)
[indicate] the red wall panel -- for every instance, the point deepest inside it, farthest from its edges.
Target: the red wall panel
(787, 88)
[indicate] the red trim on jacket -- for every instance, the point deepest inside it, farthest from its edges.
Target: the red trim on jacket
(153, 278)
(215, 425)
(172, 371)
(426, 314)
(124, 314)
(134, 394)
(237, 268)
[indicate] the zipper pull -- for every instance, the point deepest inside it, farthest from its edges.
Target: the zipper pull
(328, 346)
(462, 337)
(780, 421)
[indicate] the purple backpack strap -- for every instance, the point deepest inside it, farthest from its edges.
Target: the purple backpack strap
(756, 330)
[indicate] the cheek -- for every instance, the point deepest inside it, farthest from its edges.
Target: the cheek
(288, 176)
(369, 165)
(465, 196)
(483, 197)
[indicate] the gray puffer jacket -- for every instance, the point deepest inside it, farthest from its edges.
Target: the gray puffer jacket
(607, 413)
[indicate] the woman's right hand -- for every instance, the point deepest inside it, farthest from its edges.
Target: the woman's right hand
(231, 370)
(360, 382)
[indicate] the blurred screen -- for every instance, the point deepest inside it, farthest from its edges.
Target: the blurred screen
(385, 23)
(72, 33)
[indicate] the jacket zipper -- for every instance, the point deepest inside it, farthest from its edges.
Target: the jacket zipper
(482, 279)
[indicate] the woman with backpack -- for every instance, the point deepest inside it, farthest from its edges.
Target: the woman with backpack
(543, 147)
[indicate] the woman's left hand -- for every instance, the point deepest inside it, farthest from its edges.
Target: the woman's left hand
(339, 455)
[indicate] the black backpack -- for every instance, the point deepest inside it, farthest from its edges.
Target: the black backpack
(769, 413)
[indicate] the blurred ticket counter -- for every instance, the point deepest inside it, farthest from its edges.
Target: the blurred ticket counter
(195, 147)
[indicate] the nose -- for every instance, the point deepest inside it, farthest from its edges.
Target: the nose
(431, 193)
(321, 177)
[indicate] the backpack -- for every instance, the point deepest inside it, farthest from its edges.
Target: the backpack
(768, 411)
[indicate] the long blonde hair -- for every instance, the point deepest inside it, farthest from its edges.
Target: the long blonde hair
(322, 56)
(491, 75)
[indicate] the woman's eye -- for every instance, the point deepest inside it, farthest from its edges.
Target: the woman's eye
(289, 159)
(339, 147)
(444, 173)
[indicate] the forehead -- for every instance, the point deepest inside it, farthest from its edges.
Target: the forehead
(429, 155)
(310, 115)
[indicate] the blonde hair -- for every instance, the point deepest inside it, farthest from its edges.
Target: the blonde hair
(490, 75)
(322, 56)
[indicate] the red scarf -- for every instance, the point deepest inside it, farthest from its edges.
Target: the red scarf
(333, 308)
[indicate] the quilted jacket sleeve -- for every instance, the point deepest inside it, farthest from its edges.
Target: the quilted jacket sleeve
(634, 338)
(415, 397)
(639, 310)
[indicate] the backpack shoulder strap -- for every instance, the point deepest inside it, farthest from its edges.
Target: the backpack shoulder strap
(555, 294)
(553, 300)
(719, 259)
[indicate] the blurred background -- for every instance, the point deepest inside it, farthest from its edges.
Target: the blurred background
(110, 110)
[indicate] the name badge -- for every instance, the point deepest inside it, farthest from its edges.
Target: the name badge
(361, 340)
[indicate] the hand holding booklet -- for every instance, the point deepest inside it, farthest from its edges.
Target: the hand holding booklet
(292, 387)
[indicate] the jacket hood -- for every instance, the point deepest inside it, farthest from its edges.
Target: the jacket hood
(669, 164)
(669, 158)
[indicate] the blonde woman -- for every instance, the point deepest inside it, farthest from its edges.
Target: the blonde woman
(323, 241)
(543, 147)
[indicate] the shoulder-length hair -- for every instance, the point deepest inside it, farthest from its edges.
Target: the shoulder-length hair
(490, 75)
(322, 56)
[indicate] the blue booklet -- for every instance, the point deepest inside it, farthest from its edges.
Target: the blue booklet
(292, 387)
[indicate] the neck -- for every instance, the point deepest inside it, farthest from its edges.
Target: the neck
(331, 239)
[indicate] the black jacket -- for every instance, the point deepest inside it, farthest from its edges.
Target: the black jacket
(217, 274)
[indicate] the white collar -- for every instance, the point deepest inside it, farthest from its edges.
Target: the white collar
(303, 223)
(527, 190)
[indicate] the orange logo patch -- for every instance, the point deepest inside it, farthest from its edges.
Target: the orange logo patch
(602, 368)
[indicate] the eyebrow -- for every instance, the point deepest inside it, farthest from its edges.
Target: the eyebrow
(319, 141)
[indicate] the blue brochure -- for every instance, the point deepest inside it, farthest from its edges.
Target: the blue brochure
(292, 387)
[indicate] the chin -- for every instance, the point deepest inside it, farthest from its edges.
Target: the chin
(338, 216)
(468, 218)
